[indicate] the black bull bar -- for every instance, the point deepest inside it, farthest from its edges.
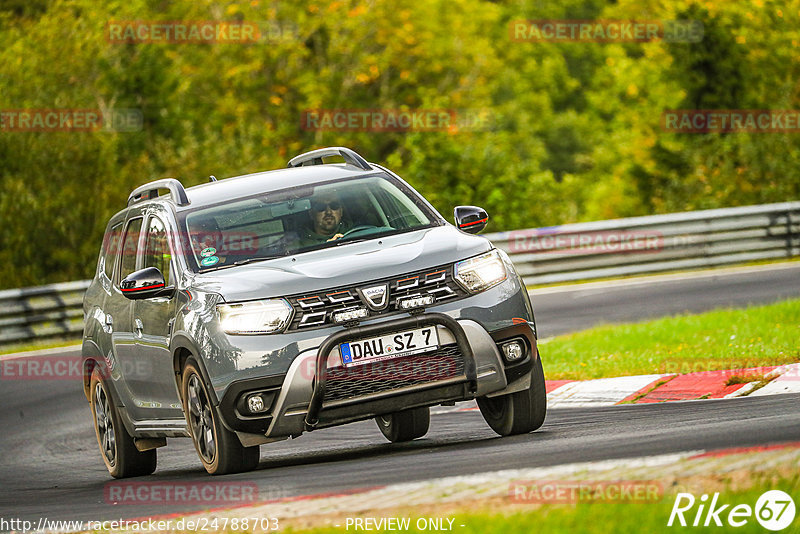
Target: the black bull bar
(415, 321)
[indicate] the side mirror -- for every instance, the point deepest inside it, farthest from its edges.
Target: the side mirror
(145, 284)
(471, 219)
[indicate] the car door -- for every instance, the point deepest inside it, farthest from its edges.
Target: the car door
(121, 358)
(152, 327)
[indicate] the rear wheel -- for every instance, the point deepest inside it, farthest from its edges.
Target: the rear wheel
(405, 425)
(218, 448)
(117, 448)
(520, 412)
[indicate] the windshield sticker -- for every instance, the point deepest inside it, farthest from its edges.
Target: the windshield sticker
(209, 261)
(206, 252)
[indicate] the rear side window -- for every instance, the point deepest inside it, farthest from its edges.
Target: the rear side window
(111, 249)
(157, 252)
(129, 248)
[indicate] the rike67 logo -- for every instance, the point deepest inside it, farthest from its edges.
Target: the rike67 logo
(774, 510)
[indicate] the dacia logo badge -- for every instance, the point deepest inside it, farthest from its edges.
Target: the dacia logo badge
(376, 297)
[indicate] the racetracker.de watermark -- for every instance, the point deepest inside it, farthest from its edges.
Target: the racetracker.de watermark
(203, 242)
(606, 31)
(549, 241)
(61, 367)
(196, 31)
(180, 493)
(574, 491)
(197, 524)
(735, 368)
(70, 120)
(730, 120)
(397, 120)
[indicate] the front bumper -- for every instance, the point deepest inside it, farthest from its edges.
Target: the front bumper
(298, 400)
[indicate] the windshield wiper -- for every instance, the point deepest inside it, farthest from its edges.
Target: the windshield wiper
(262, 258)
(376, 235)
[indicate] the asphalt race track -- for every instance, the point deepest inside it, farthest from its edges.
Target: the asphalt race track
(50, 466)
(566, 311)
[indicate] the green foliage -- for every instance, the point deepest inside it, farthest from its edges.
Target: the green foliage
(573, 132)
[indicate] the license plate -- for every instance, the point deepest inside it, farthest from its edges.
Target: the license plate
(389, 346)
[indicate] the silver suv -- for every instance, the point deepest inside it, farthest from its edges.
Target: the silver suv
(253, 309)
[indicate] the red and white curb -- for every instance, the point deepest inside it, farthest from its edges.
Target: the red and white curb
(786, 380)
(601, 392)
(643, 389)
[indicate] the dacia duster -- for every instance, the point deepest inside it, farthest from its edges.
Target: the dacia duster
(252, 309)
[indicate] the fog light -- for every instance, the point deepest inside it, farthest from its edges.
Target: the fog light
(513, 350)
(349, 314)
(415, 301)
(255, 403)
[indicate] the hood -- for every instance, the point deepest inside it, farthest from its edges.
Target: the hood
(345, 265)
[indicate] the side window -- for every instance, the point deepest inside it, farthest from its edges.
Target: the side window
(157, 251)
(129, 248)
(111, 249)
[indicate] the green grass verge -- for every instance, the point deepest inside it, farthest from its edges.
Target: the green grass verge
(603, 517)
(39, 345)
(723, 339)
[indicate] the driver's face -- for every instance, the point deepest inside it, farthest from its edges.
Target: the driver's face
(327, 214)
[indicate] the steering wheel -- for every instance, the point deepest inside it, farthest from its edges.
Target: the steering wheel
(357, 229)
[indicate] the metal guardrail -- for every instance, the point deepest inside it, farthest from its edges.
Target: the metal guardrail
(582, 251)
(656, 243)
(42, 312)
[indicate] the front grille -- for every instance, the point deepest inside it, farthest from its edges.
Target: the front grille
(350, 382)
(314, 310)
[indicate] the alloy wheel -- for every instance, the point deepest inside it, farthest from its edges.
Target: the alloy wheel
(105, 427)
(201, 419)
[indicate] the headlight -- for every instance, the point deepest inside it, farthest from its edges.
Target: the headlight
(481, 272)
(258, 317)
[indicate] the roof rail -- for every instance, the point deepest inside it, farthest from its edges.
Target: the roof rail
(315, 157)
(150, 191)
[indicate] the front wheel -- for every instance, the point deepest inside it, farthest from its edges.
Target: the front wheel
(117, 447)
(405, 425)
(218, 448)
(520, 412)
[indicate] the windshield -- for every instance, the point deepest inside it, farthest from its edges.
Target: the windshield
(301, 219)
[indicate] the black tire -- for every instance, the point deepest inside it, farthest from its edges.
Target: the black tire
(520, 412)
(405, 425)
(218, 448)
(117, 448)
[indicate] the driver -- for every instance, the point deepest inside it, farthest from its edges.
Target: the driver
(326, 217)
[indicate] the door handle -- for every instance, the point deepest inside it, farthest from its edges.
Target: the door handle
(138, 327)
